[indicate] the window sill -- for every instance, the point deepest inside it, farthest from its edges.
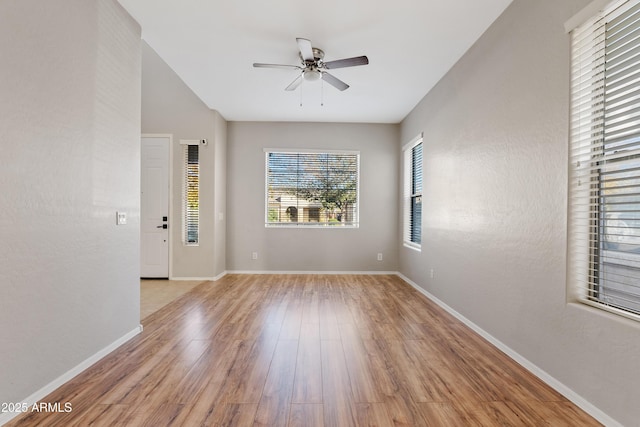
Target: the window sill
(313, 226)
(413, 246)
(604, 308)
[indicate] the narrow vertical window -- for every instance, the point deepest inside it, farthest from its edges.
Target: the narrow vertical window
(412, 233)
(191, 200)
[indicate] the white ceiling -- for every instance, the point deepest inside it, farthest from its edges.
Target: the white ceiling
(411, 44)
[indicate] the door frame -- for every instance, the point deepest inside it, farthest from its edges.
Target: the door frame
(171, 219)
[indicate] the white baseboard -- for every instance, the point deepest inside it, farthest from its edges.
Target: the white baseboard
(528, 365)
(62, 379)
(312, 272)
(204, 279)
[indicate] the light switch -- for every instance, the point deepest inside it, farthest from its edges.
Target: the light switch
(121, 218)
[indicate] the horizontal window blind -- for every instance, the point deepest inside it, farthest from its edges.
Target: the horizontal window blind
(312, 189)
(191, 199)
(412, 229)
(604, 228)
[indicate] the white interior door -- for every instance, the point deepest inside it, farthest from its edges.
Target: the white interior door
(154, 207)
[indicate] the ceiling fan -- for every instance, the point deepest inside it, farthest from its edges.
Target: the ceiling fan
(314, 68)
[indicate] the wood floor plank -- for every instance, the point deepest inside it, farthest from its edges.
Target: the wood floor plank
(306, 350)
(328, 321)
(275, 403)
(306, 415)
(292, 321)
(404, 412)
(210, 370)
(446, 414)
(150, 415)
(203, 390)
(402, 409)
(307, 386)
(361, 376)
(248, 375)
(373, 415)
(561, 414)
(234, 415)
(423, 383)
(443, 380)
(499, 413)
(104, 416)
(339, 410)
(310, 303)
(158, 378)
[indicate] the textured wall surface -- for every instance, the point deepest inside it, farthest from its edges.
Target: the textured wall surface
(220, 195)
(291, 249)
(170, 107)
(69, 135)
(495, 207)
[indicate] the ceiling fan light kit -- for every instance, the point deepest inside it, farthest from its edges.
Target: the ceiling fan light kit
(313, 67)
(311, 74)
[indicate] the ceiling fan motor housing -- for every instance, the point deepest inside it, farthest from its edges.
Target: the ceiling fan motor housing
(318, 55)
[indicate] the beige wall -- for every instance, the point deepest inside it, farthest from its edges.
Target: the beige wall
(69, 134)
(495, 207)
(170, 107)
(290, 249)
(220, 196)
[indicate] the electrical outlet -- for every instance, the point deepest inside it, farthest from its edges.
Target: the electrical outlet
(254, 255)
(431, 273)
(380, 256)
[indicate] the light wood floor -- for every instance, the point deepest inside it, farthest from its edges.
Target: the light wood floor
(307, 350)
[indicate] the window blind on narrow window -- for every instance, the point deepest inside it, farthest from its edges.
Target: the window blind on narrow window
(312, 188)
(191, 200)
(416, 194)
(604, 226)
(412, 228)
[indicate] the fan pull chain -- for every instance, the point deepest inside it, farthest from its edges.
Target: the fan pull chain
(322, 93)
(301, 95)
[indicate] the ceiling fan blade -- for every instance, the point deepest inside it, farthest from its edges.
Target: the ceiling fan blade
(306, 51)
(288, 67)
(294, 84)
(347, 62)
(334, 81)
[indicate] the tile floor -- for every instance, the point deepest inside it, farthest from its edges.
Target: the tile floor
(155, 294)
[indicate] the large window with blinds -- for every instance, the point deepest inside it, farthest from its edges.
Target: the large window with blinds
(312, 188)
(604, 228)
(191, 195)
(412, 224)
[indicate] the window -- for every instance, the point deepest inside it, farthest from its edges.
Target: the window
(191, 197)
(312, 189)
(412, 227)
(604, 226)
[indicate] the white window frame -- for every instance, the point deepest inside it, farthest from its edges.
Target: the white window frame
(408, 194)
(599, 163)
(324, 225)
(190, 216)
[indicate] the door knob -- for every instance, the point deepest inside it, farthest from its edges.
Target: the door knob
(165, 226)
